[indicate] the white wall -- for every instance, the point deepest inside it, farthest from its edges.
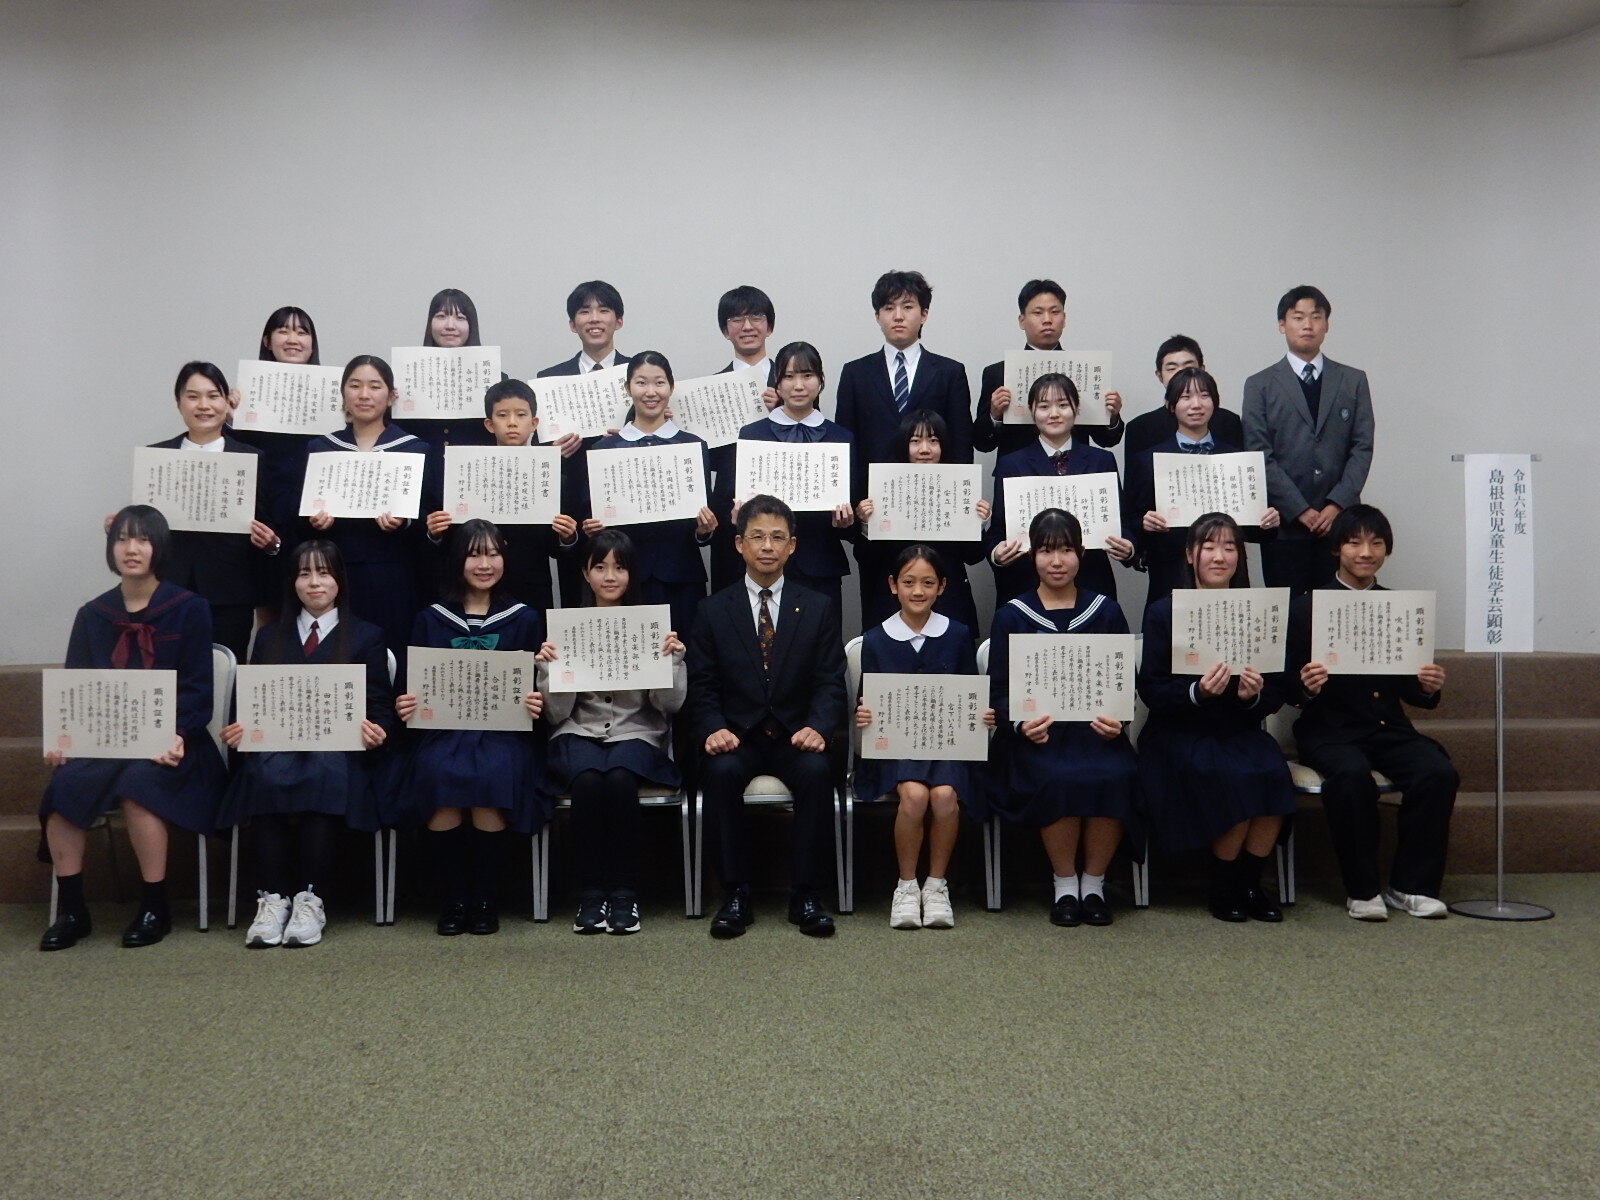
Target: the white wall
(175, 171)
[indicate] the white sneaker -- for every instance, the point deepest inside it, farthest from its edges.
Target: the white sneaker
(272, 913)
(905, 910)
(306, 922)
(1417, 906)
(936, 910)
(1367, 910)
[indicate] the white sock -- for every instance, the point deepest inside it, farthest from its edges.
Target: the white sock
(1066, 885)
(1093, 885)
(933, 883)
(908, 883)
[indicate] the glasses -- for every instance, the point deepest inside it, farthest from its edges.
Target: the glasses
(740, 322)
(766, 539)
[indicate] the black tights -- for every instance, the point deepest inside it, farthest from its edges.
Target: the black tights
(280, 838)
(605, 824)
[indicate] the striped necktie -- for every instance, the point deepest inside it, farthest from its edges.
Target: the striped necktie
(902, 388)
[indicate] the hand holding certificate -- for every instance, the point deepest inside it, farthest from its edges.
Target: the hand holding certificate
(279, 397)
(1088, 370)
(109, 714)
(1372, 632)
(650, 483)
(935, 717)
(1242, 627)
(915, 502)
(587, 405)
(715, 407)
(601, 649)
(362, 485)
(439, 383)
(808, 477)
(317, 707)
(509, 485)
(470, 689)
(211, 493)
(1074, 678)
(1190, 485)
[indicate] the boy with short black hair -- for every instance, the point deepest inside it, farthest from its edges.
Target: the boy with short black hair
(746, 317)
(594, 313)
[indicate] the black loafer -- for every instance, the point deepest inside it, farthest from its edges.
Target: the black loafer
(1229, 907)
(483, 918)
(452, 920)
(64, 934)
(1261, 906)
(146, 929)
(1066, 912)
(1095, 910)
(734, 917)
(807, 912)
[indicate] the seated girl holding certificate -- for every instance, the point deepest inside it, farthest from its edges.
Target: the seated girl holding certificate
(916, 641)
(604, 746)
(670, 569)
(297, 801)
(1208, 773)
(921, 439)
(1192, 399)
(1071, 780)
(141, 624)
(380, 553)
(818, 560)
(470, 785)
(1053, 401)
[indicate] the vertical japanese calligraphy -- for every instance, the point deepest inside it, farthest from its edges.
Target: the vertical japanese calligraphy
(1371, 632)
(509, 485)
(810, 477)
(362, 485)
(601, 648)
(1089, 370)
(443, 382)
(215, 493)
(1093, 499)
(109, 714)
(301, 708)
(587, 405)
(1188, 486)
(1243, 627)
(1499, 609)
(935, 717)
(470, 689)
(715, 407)
(279, 397)
(650, 483)
(1073, 678)
(915, 502)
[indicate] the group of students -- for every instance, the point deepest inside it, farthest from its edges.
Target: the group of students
(762, 679)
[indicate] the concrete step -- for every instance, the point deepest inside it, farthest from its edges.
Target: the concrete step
(1542, 755)
(19, 701)
(1544, 684)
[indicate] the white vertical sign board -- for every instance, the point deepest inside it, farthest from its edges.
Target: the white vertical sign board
(1500, 613)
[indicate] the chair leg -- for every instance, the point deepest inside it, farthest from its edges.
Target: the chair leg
(233, 879)
(1284, 852)
(991, 864)
(1141, 882)
(688, 858)
(699, 854)
(55, 895)
(394, 874)
(844, 842)
(379, 883)
(205, 883)
(541, 875)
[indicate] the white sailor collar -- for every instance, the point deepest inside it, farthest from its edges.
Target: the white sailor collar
(812, 419)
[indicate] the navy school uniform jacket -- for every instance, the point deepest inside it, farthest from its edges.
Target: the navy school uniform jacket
(865, 406)
(819, 553)
(989, 434)
(224, 568)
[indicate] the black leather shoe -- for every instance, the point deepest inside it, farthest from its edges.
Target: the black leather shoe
(483, 917)
(807, 912)
(66, 931)
(734, 917)
(1095, 910)
(1066, 911)
(1261, 906)
(452, 920)
(1228, 906)
(146, 929)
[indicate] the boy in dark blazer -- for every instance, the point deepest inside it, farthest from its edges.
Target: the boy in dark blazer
(1312, 419)
(1042, 317)
(1352, 725)
(766, 692)
(1178, 353)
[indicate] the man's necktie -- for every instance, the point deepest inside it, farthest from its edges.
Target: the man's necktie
(766, 632)
(902, 388)
(597, 367)
(1308, 373)
(311, 642)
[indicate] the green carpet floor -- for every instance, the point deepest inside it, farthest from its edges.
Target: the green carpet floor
(1170, 1056)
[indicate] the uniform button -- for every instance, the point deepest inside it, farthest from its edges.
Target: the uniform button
(1316, 470)
(1375, 696)
(608, 699)
(608, 724)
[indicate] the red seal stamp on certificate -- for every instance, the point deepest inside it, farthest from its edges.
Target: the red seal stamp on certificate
(257, 736)
(1191, 659)
(885, 526)
(426, 714)
(880, 743)
(569, 677)
(1030, 705)
(63, 742)
(1333, 658)
(463, 509)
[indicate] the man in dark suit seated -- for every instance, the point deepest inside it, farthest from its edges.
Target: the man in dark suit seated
(1352, 725)
(1312, 419)
(766, 691)
(1178, 353)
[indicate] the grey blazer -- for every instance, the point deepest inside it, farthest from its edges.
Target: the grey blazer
(1310, 467)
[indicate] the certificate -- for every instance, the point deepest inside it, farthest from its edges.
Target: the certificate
(279, 397)
(916, 502)
(1076, 677)
(509, 485)
(1243, 627)
(443, 383)
(109, 714)
(807, 476)
(587, 404)
(1093, 499)
(650, 483)
(1088, 369)
(317, 707)
(470, 689)
(936, 717)
(601, 649)
(715, 407)
(1372, 632)
(1500, 608)
(1190, 485)
(362, 484)
(197, 489)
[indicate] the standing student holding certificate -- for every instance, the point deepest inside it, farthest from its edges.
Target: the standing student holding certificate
(1073, 781)
(604, 746)
(921, 440)
(1053, 401)
(470, 785)
(1352, 725)
(1178, 353)
(1192, 399)
(1042, 317)
(229, 570)
(668, 562)
(819, 559)
(297, 801)
(452, 323)
(1209, 773)
(746, 317)
(917, 640)
(147, 624)
(380, 553)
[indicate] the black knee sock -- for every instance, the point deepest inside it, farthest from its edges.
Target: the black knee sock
(448, 850)
(623, 820)
(153, 898)
(487, 846)
(319, 840)
(69, 895)
(588, 827)
(1250, 870)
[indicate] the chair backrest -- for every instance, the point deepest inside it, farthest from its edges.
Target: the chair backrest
(852, 686)
(394, 666)
(223, 669)
(983, 658)
(1281, 726)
